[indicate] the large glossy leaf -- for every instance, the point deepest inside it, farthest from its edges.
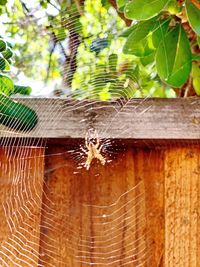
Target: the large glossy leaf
(174, 57)
(193, 14)
(136, 42)
(145, 37)
(144, 9)
(159, 31)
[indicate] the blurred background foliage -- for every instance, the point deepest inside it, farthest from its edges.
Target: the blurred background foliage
(101, 49)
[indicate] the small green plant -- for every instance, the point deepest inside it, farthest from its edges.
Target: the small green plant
(12, 114)
(7, 86)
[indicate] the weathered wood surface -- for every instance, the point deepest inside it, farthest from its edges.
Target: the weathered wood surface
(136, 119)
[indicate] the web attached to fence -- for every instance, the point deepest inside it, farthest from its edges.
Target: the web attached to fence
(61, 206)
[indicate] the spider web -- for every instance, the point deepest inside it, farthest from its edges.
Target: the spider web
(54, 211)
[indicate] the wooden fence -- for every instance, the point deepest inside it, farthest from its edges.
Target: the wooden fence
(140, 209)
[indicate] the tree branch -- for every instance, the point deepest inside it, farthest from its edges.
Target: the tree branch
(53, 5)
(79, 8)
(50, 60)
(127, 21)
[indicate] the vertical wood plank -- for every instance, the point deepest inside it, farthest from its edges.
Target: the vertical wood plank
(181, 207)
(149, 165)
(92, 217)
(21, 186)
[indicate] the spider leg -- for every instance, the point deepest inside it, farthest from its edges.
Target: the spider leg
(84, 150)
(86, 140)
(97, 138)
(101, 158)
(99, 149)
(87, 164)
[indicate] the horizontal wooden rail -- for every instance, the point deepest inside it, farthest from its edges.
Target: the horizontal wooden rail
(134, 119)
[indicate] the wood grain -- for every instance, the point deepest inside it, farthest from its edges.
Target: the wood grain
(110, 215)
(21, 185)
(84, 232)
(149, 167)
(141, 119)
(182, 207)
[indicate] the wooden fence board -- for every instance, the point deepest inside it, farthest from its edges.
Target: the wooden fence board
(102, 233)
(149, 166)
(94, 233)
(21, 180)
(83, 217)
(157, 119)
(182, 207)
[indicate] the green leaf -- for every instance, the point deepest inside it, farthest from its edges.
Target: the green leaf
(195, 57)
(43, 3)
(128, 31)
(8, 53)
(144, 9)
(173, 7)
(3, 2)
(2, 63)
(160, 31)
(7, 66)
(198, 40)
(121, 4)
(145, 37)
(105, 3)
(174, 58)
(2, 45)
(135, 43)
(196, 78)
(9, 45)
(6, 85)
(60, 34)
(148, 59)
(24, 90)
(193, 14)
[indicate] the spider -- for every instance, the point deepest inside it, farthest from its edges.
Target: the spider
(93, 150)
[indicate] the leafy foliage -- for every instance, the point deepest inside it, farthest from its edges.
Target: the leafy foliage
(7, 86)
(142, 10)
(96, 67)
(167, 30)
(173, 57)
(136, 48)
(193, 14)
